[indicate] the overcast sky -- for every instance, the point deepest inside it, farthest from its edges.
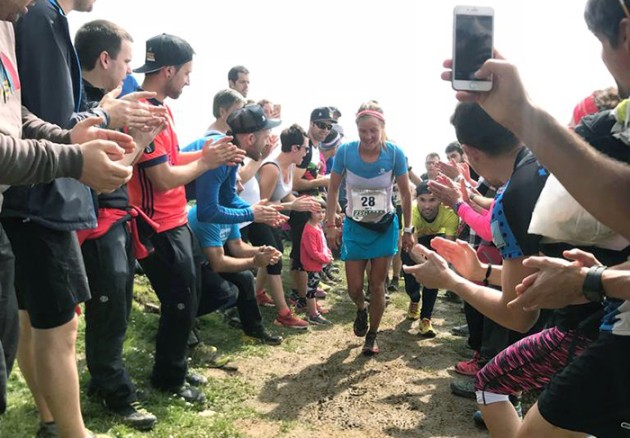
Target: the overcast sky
(344, 52)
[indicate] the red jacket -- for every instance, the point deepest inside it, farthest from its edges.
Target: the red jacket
(314, 253)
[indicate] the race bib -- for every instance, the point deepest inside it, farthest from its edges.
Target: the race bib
(368, 203)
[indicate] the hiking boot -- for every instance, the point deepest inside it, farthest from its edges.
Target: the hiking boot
(262, 299)
(135, 416)
(360, 326)
(370, 347)
(318, 320)
(47, 430)
(413, 313)
(290, 321)
(196, 380)
(426, 329)
(188, 393)
(262, 336)
(464, 388)
(461, 330)
(393, 285)
(468, 367)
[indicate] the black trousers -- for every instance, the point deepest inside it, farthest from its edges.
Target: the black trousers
(9, 323)
(109, 263)
(220, 289)
(172, 273)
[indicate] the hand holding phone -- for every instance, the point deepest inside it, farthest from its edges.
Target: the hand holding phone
(473, 34)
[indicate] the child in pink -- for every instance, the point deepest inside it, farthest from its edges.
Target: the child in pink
(315, 254)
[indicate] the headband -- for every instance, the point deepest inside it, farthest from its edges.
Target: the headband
(371, 113)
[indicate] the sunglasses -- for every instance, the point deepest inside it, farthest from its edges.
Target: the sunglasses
(322, 125)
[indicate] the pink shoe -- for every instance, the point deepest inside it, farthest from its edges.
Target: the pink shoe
(468, 367)
(262, 299)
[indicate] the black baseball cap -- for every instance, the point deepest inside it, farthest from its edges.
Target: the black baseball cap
(164, 50)
(250, 118)
(323, 114)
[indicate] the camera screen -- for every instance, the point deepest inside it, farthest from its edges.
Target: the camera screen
(473, 44)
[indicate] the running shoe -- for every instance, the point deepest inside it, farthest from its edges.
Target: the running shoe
(393, 285)
(320, 293)
(135, 415)
(360, 326)
(464, 388)
(370, 347)
(426, 329)
(262, 336)
(413, 313)
(461, 330)
(262, 299)
(318, 320)
(468, 367)
(290, 321)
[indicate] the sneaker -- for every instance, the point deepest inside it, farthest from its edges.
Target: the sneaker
(426, 329)
(217, 360)
(322, 310)
(393, 285)
(262, 299)
(47, 430)
(196, 380)
(370, 347)
(468, 367)
(262, 336)
(320, 293)
(135, 416)
(330, 274)
(318, 320)
(464, 388)
(461, 330)
(413, 313)
(232, 318)
(90, 434)
(290, 321)
(360, 326)
(188, 393)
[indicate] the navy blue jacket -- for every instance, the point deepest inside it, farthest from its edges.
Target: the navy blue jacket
(51, 88)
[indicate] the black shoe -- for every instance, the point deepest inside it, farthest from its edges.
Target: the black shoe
(196, 380)
(189, 393)
(361, 323)
(370, 347)
(464, 388)
(393, 285)
(47, 430)
(232, 318)
(135, 416)
(263, 336)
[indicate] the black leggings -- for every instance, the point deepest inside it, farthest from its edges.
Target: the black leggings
(263, 234)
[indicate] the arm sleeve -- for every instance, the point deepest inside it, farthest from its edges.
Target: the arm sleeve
(37, 161)
(209, 209)
(36, 128)
(479, 222)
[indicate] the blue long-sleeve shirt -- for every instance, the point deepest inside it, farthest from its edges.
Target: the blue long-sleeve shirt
(217, 200)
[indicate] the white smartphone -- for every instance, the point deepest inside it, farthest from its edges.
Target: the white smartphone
(473, 35)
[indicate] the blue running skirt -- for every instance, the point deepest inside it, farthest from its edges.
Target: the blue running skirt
(359, 243)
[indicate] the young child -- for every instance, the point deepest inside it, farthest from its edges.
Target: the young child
(315, 254)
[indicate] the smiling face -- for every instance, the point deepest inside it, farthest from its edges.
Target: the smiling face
(428, 205)
(371, 131)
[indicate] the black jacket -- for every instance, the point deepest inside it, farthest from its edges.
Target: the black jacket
(51, 88)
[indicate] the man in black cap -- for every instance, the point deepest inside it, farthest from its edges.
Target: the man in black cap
(157, 187)
(308, 179)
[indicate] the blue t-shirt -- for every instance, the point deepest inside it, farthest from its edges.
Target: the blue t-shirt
(211, 235)
(369, 185)
(215, 190)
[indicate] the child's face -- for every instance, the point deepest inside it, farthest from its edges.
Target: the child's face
(318, 216)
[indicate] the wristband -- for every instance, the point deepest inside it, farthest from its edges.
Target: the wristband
(488, 272)
(592, 288)
(408, 230)
(456, 206)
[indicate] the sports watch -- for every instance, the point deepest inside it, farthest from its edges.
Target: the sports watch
(592, 288)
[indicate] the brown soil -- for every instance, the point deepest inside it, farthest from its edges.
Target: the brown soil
(319, 384)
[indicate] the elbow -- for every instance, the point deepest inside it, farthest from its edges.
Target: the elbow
(524, 323)
(205, 214)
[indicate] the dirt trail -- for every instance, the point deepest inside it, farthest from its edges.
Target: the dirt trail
(324, 387)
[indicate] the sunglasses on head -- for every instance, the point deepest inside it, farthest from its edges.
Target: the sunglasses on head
(322, 125)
